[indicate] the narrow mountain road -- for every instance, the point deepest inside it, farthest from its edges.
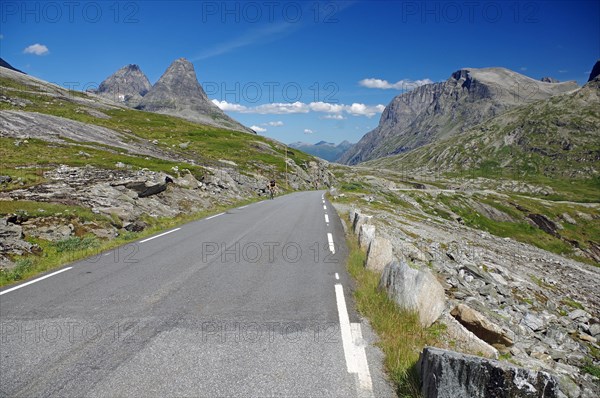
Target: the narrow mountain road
(254, 302)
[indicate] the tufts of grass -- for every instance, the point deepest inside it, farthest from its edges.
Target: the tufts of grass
(402, 337)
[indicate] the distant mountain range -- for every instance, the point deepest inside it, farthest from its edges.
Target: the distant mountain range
(176, 93)
(322, 149)
(438, 111)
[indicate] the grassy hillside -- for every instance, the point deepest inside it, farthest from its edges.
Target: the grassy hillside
(119, 143)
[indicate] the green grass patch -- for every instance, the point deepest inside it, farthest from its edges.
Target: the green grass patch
(591, 369)
(572, 303)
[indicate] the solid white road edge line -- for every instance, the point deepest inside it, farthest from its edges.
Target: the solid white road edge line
(34, 281)
(356, 358)
(158, 236)
(331, 244)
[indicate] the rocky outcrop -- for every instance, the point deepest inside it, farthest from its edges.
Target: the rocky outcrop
(547, 79)
(127, 85)
(178, 93)
(437, 111)
(546, 304)
(12, 242)
(448, 374)
(414, 290)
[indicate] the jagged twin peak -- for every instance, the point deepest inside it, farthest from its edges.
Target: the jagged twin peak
(129, 84)
(437, 111)
(176, 93)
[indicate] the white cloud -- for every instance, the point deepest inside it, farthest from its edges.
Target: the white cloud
(326, 107)
(36, 49)
(258, 129)
(279, 108)
(308, 131)
(523, 68)
(226, 106)
(562, 71)
(364, 110)
(399, 85)
(278, 123)
(1, 36)
(334, 117)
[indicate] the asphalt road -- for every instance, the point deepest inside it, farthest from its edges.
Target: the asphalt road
(254, 302)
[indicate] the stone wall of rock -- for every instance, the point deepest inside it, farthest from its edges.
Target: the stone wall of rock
(448, 374)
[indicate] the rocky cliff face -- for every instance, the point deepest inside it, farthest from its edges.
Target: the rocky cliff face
(178, 93)
(556, 137)
(128, 85)
(595, 71)
(440, 110)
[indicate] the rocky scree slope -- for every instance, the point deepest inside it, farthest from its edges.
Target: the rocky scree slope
(539, 309)
(436, 111)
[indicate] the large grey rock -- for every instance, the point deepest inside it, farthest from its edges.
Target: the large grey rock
(359, 219)
(366, 235)
(380, 254)
(178, 93)
(480, 325)
(464, 340)
(448, 374)
(414, 290)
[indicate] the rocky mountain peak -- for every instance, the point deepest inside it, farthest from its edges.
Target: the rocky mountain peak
(595, 71)
(178, 93)
(437, 111)
(6, 65)
(547, 79)
(129, 84)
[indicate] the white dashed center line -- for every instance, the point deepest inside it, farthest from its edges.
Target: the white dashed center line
(331, 244)
(326, 218)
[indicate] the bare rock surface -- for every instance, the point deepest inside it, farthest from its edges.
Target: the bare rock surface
(448, 374)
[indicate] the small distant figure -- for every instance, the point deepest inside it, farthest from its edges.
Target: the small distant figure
(272, 188)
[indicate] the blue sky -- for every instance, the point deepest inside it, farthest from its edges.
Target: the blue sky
(301, 70)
